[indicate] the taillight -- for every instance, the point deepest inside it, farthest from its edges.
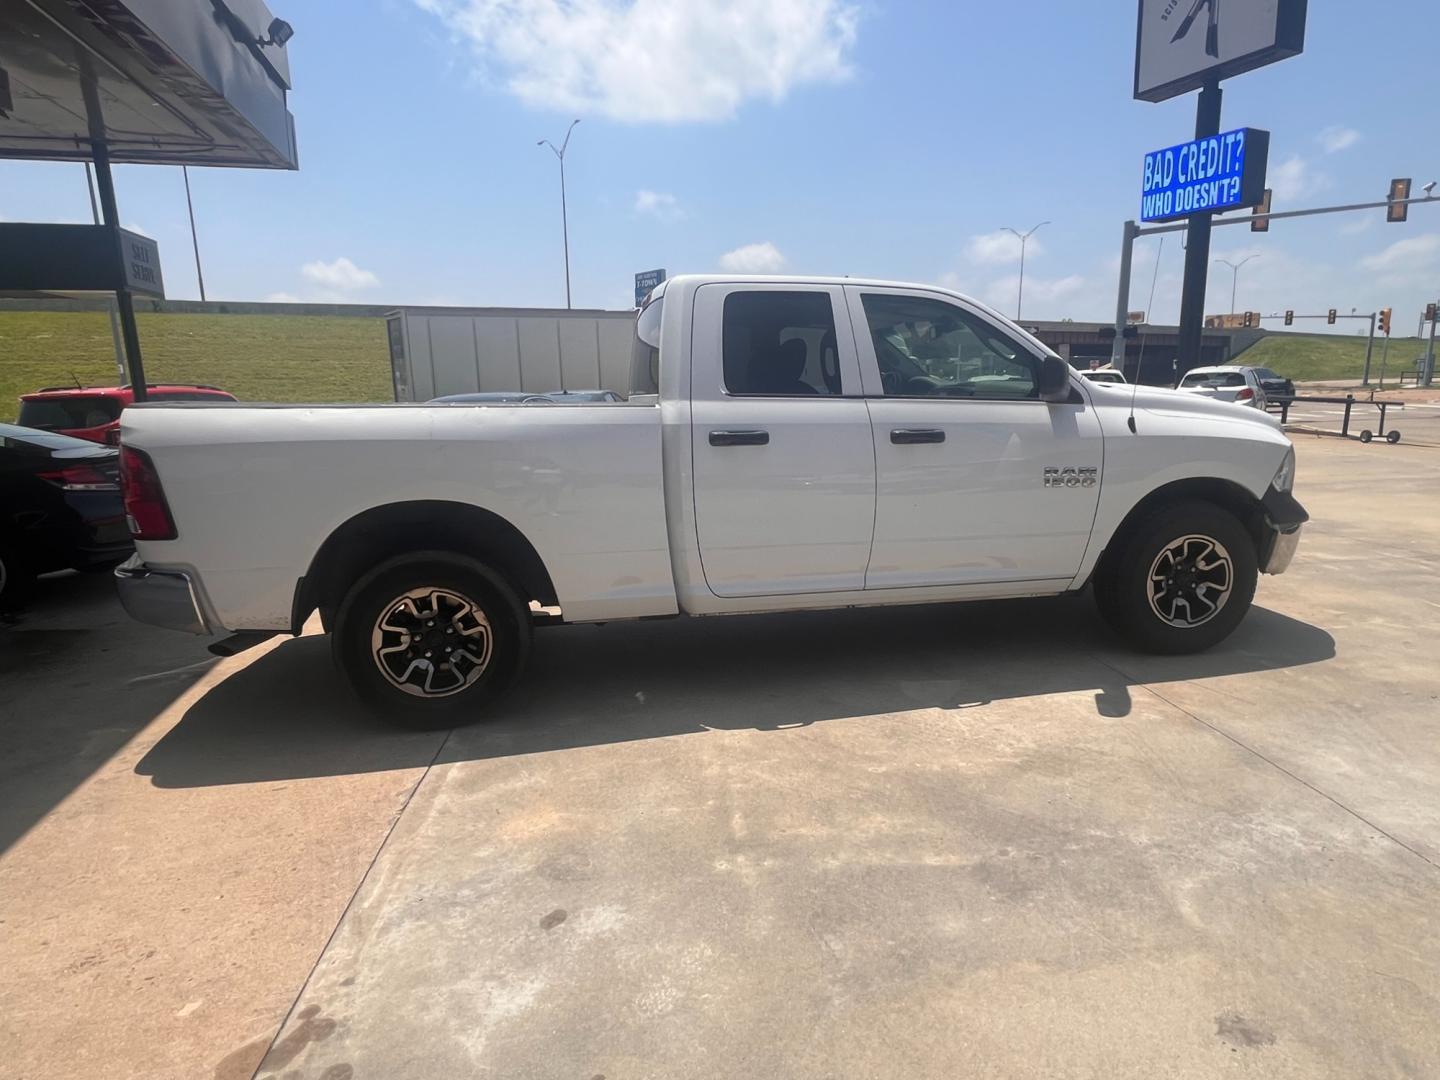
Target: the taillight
(80, 478)
(145, 506)
(1245, 395)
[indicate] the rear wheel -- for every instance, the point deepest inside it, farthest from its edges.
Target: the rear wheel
(1181, 579)
(431, 640)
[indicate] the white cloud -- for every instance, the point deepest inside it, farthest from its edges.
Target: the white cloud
(334, 282)
(339, 276)
(654, 60)
(1334, 139)
(135, 227)
(762, 258)
(999, 247)
(1294, 179)
(1412, 255)
(658, 204)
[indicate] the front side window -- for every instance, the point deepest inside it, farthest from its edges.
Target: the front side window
(780, 344)
(928, 348)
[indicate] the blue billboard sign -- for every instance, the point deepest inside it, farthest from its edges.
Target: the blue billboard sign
(644, 282)
(1205, 176)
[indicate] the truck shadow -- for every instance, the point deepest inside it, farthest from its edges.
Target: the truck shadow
(287, 715)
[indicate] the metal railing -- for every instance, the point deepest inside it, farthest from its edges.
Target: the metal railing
(1349, 401)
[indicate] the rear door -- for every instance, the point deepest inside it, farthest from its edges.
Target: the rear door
(978, 480)
(784, 468)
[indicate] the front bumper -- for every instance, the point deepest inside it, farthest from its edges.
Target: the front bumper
(1283, 520)
(160, 597)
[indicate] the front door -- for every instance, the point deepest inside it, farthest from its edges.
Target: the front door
(784, 470)
(978, 481)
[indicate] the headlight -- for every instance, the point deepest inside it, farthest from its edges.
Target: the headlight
(1285, 477)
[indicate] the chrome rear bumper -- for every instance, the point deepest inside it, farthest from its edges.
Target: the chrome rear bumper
(159, 597)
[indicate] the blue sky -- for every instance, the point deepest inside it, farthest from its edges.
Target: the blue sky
(822, 136)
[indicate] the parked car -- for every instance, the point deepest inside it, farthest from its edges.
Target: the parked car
(60, 508)
(1235, 384)
(792, 444)
(517, 397)
(93, 412)
(1105, 375)
(1274, 384)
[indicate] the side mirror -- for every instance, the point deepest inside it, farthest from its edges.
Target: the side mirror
(1054, 379)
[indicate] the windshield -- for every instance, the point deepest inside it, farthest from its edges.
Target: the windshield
(1213, 379)
(14, 433)
(71, 411)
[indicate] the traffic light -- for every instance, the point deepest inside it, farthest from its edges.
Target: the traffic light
(1330, 318)
(1290, 317)
(1262, 207)
(1399, 191)
(1385, 321)
(1429, 312)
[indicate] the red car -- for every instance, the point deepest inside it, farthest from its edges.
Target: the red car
(93, 412)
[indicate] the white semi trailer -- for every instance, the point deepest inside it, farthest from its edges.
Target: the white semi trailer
(436, 351)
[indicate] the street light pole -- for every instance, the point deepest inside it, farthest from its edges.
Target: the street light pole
(564, 216)
(194, 239)
(1024, 238)
(1235, 276)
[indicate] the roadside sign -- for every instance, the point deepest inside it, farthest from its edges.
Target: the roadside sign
(1205, 176)
(644, 282)
(1182, 44)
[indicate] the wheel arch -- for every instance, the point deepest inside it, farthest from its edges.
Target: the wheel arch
(1226, 494)
(383, 532)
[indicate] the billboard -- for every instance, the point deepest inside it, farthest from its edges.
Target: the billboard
(1180, 44)
(1222, 172)
(645, 281)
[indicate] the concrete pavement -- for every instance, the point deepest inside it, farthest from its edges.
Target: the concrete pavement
(974, 840)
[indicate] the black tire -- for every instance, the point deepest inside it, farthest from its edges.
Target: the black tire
(17, 578)
(1392, 437)
(1366, 436)
(1158, 541)
(449, 583)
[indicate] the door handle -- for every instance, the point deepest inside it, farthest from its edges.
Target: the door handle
(909, 436)
(739, 438)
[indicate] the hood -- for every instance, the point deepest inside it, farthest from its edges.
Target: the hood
(1154, 399)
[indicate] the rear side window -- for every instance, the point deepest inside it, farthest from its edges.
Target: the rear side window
(59, 414)
(780, 344)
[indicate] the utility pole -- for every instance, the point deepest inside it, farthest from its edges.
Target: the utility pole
(1428, 375)
(194, 240)
(1024, 238)
(564, 217)
(1197, 242)
(109, 301)
(1370, 349)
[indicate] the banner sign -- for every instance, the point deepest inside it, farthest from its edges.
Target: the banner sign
(644, 282)
(1223, 172)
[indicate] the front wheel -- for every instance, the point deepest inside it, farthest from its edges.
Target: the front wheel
(1181, 579)
(431, 640)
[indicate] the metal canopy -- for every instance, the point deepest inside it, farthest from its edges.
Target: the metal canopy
(179, 82)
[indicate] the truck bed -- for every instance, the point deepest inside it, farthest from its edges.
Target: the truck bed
(585, 481)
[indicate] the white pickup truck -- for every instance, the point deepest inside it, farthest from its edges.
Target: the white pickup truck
(792, 444)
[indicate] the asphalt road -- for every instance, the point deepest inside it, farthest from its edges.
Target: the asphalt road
(977, 840)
